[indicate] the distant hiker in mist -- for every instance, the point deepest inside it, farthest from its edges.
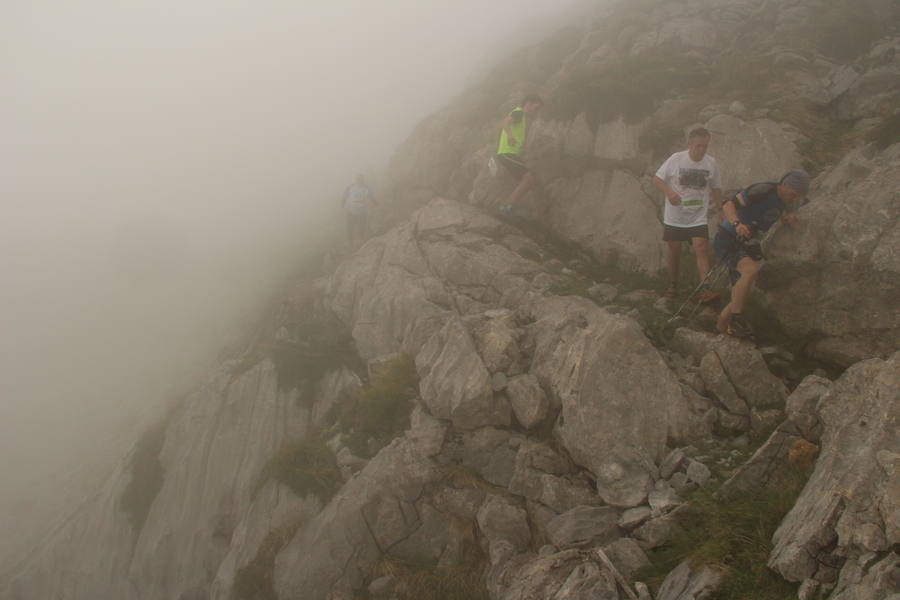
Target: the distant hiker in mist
(358, 198)
(512, 145)
(689, 179)
(745, 217)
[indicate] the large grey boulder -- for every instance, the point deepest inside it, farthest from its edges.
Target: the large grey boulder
(607, 213)
(454, 383)
(734, 371)
(399, 289)
(274, 508)
(614, 390)
(835, 277)
(689, 583)
(848, 508)
(541, 475)
(585, 525)
(752, 151)
(372, 515)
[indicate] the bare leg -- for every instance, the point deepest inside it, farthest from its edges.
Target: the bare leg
(523, 186)
(674, 261)
(701, 249)
(749, 269)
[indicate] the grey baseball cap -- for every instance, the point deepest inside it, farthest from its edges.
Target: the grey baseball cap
(797, 179)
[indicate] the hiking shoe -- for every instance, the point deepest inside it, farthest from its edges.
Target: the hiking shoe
(707, 296)
(739, 327)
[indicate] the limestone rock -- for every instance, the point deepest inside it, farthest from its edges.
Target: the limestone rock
(740, 375)
(752, 151)
(528, 400)
(455, 385)
(542, 476)
(840, 503)
(585, 525)
(686, 583)
(844, 242)
(609, 215)
(373, 513)
(566, 575)
(500, 520)
(614, 404)
(618, 140)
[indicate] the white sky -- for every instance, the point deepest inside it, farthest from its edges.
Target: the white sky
(161, 165)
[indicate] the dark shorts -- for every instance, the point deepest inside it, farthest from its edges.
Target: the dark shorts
(684, 234)
(729, 252)
(512, 163)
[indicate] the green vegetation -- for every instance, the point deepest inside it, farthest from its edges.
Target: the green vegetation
(305, 466)
(380, 411)
(255, 581)
(732, 535)
(887, 133)
(325, 345)
(429, 583)
(146, 476)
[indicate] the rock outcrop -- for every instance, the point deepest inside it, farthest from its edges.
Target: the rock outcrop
(553, 412)
(845, 522)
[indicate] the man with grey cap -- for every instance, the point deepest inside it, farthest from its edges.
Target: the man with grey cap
(745, 218)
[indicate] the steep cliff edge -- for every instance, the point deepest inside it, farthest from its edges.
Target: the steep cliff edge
(461, 406)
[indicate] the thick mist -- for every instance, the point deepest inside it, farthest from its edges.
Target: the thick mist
(163, 165)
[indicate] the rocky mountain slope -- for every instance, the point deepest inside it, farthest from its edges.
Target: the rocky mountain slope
(484, 408)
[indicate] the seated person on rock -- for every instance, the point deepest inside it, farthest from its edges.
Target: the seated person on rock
(689, 179)
(512, 144)
(745, 218)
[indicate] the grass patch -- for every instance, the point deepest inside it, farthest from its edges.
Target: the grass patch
(306, 467)
(324, 345)
(465, 581)
(255, 581)
(734, 536)
(380, 410)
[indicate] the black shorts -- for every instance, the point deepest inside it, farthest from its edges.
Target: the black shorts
(684, 234)
(512, 163)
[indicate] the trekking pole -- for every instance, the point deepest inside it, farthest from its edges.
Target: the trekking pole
(720, 271)
(694, 293)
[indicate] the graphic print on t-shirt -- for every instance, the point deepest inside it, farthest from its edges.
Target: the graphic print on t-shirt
(692, 179)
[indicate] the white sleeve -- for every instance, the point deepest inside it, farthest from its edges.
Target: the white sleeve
(663, 171)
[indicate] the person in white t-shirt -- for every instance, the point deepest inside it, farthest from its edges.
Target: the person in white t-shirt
(689, 179)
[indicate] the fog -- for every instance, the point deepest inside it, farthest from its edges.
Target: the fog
(162, 167)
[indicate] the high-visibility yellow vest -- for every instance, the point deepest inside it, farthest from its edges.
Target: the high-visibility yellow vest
(518, 131)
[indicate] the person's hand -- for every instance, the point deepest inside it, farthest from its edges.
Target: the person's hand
(790, 220)
(674, 198)
(743, 231)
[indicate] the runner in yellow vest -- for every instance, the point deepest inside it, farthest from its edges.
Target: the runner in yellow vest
(512, 143)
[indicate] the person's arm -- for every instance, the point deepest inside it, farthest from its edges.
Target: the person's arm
(729, 210)
(671, 195)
